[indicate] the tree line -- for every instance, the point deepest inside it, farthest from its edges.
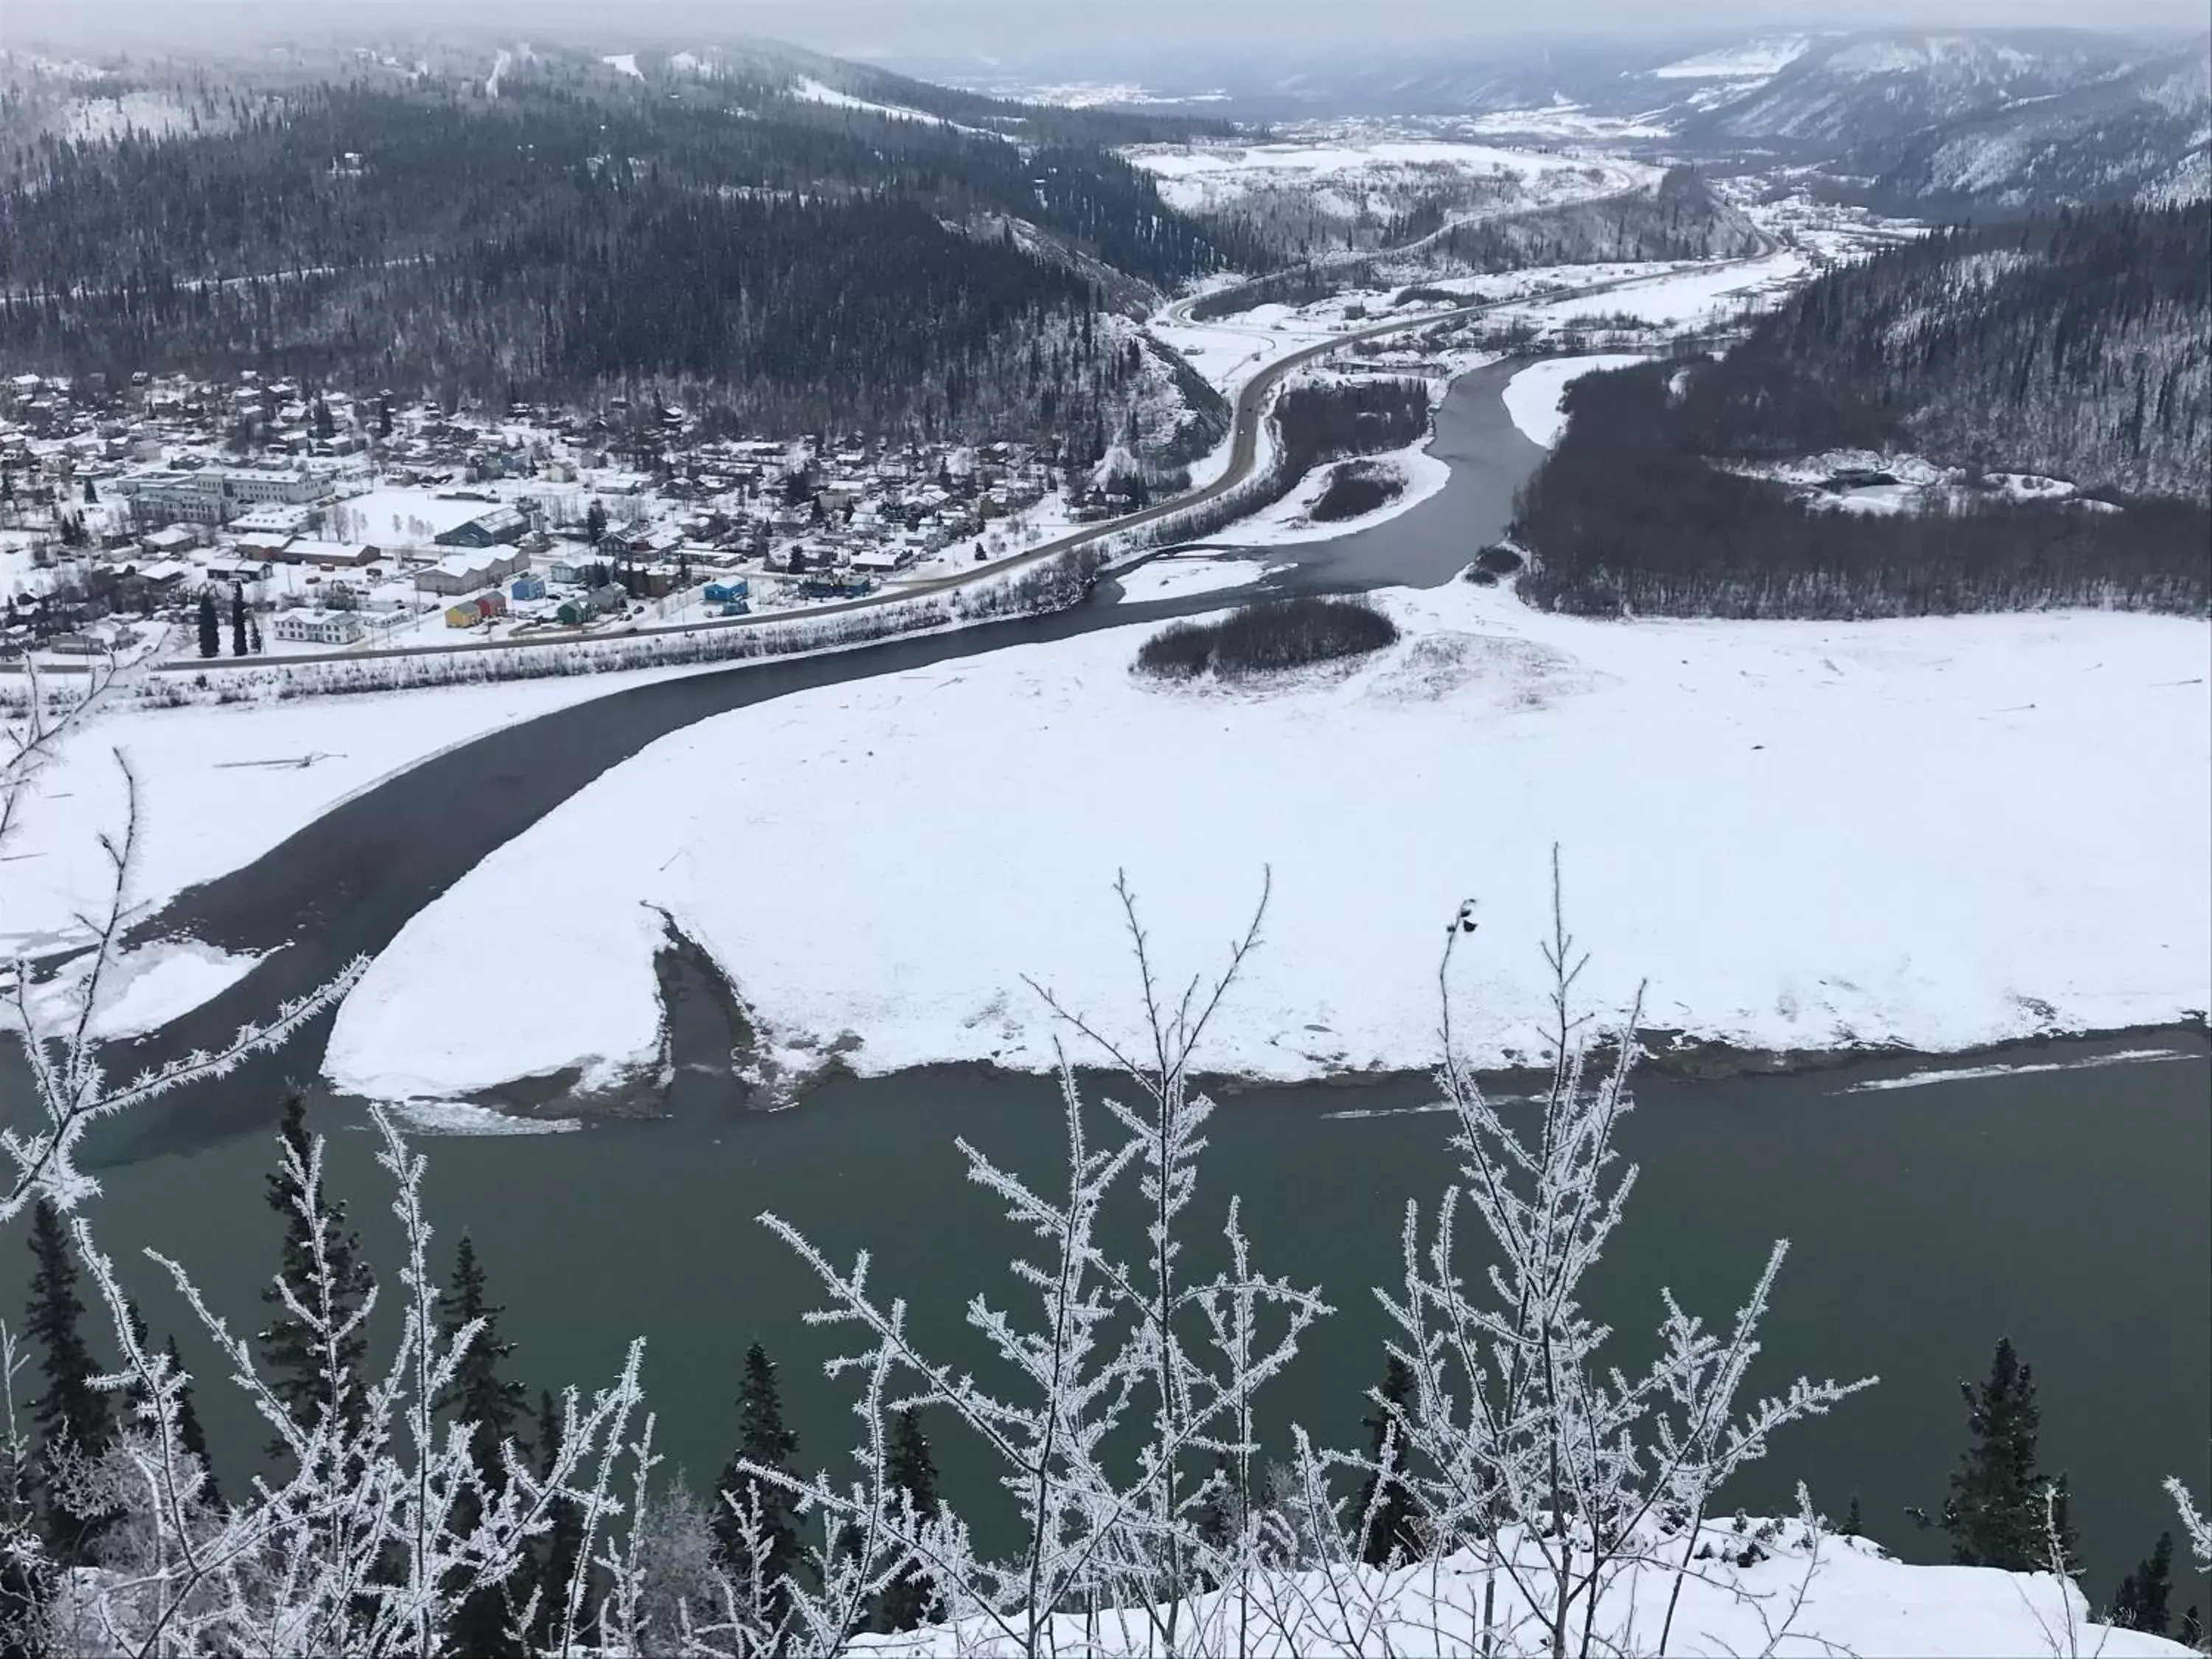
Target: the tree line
(2077, 344)
(1627, 512)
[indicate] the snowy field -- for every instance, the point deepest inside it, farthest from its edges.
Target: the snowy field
(1532, 396)
(1936, 833)
(1684, 297)
(1355, 171)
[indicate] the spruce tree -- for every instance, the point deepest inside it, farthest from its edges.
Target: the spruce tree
(72, 1416)
(563, 1546)
(210, 627)
(2192, 1629)
(494, 1409)
(26, 1573)
(909, 1602)
(2140, 1603)
(190, 1435)
(1392, 1523)
(1853, 1526)
(311, 1368)
(763, 1440)
(1995, 1513)
(237, 620)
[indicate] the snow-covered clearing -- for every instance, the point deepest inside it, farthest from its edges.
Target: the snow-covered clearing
(1353, 163)
(1532, 396)
(808, 90)
(1700, 294)
(624, 62)
(1755, 60)
(218, 787)
(1805, 834)
(144, 114)
(1840, 1595)
(1563, 118)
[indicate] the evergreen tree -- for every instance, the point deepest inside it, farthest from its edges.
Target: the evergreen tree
(237, 620)
(26, 1573)
(190, 1435)
(2192, 1631)
(1393, 1524)
(494, 1409)
(595, 520)
(309, 1367)
(210, 627)
(71, 1414)
(563, 1546)
(91, 496)
(763, 1440)
(1995, 1513)
(909, 1603)
(325, 428)
(2140, 1603)
(384, 417)
(1853, 1526)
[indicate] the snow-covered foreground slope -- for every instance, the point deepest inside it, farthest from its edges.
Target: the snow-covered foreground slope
(1936, 833)
(1839, 1596)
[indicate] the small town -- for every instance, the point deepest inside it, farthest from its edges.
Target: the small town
(176, 518)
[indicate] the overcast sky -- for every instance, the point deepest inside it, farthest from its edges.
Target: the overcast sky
(1020, 29)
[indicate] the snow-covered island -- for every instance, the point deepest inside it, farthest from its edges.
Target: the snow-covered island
(1935, 834)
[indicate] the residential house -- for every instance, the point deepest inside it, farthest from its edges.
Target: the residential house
(317, 627)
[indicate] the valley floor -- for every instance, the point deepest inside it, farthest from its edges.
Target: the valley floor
(1935, 834)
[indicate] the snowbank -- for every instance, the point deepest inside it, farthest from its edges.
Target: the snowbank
(1839, 1596)
(1291, 519)
(1532, 396)
(141, 990)
(1806, 833)
(1173, 576)
(219, 787)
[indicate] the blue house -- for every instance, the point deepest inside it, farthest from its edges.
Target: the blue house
(732, 587)
(527, 587)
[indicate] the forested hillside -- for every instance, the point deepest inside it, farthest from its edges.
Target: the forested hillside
(2077, 346)
(1678, 218)
(804, 263)
(2145, 135)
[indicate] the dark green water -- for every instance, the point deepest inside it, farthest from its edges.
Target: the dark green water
(2067, 1207)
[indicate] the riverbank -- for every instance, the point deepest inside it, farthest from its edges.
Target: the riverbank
(1807, 836)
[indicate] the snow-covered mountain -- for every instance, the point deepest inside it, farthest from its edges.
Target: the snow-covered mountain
(2144, 135)
(1854, 90)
